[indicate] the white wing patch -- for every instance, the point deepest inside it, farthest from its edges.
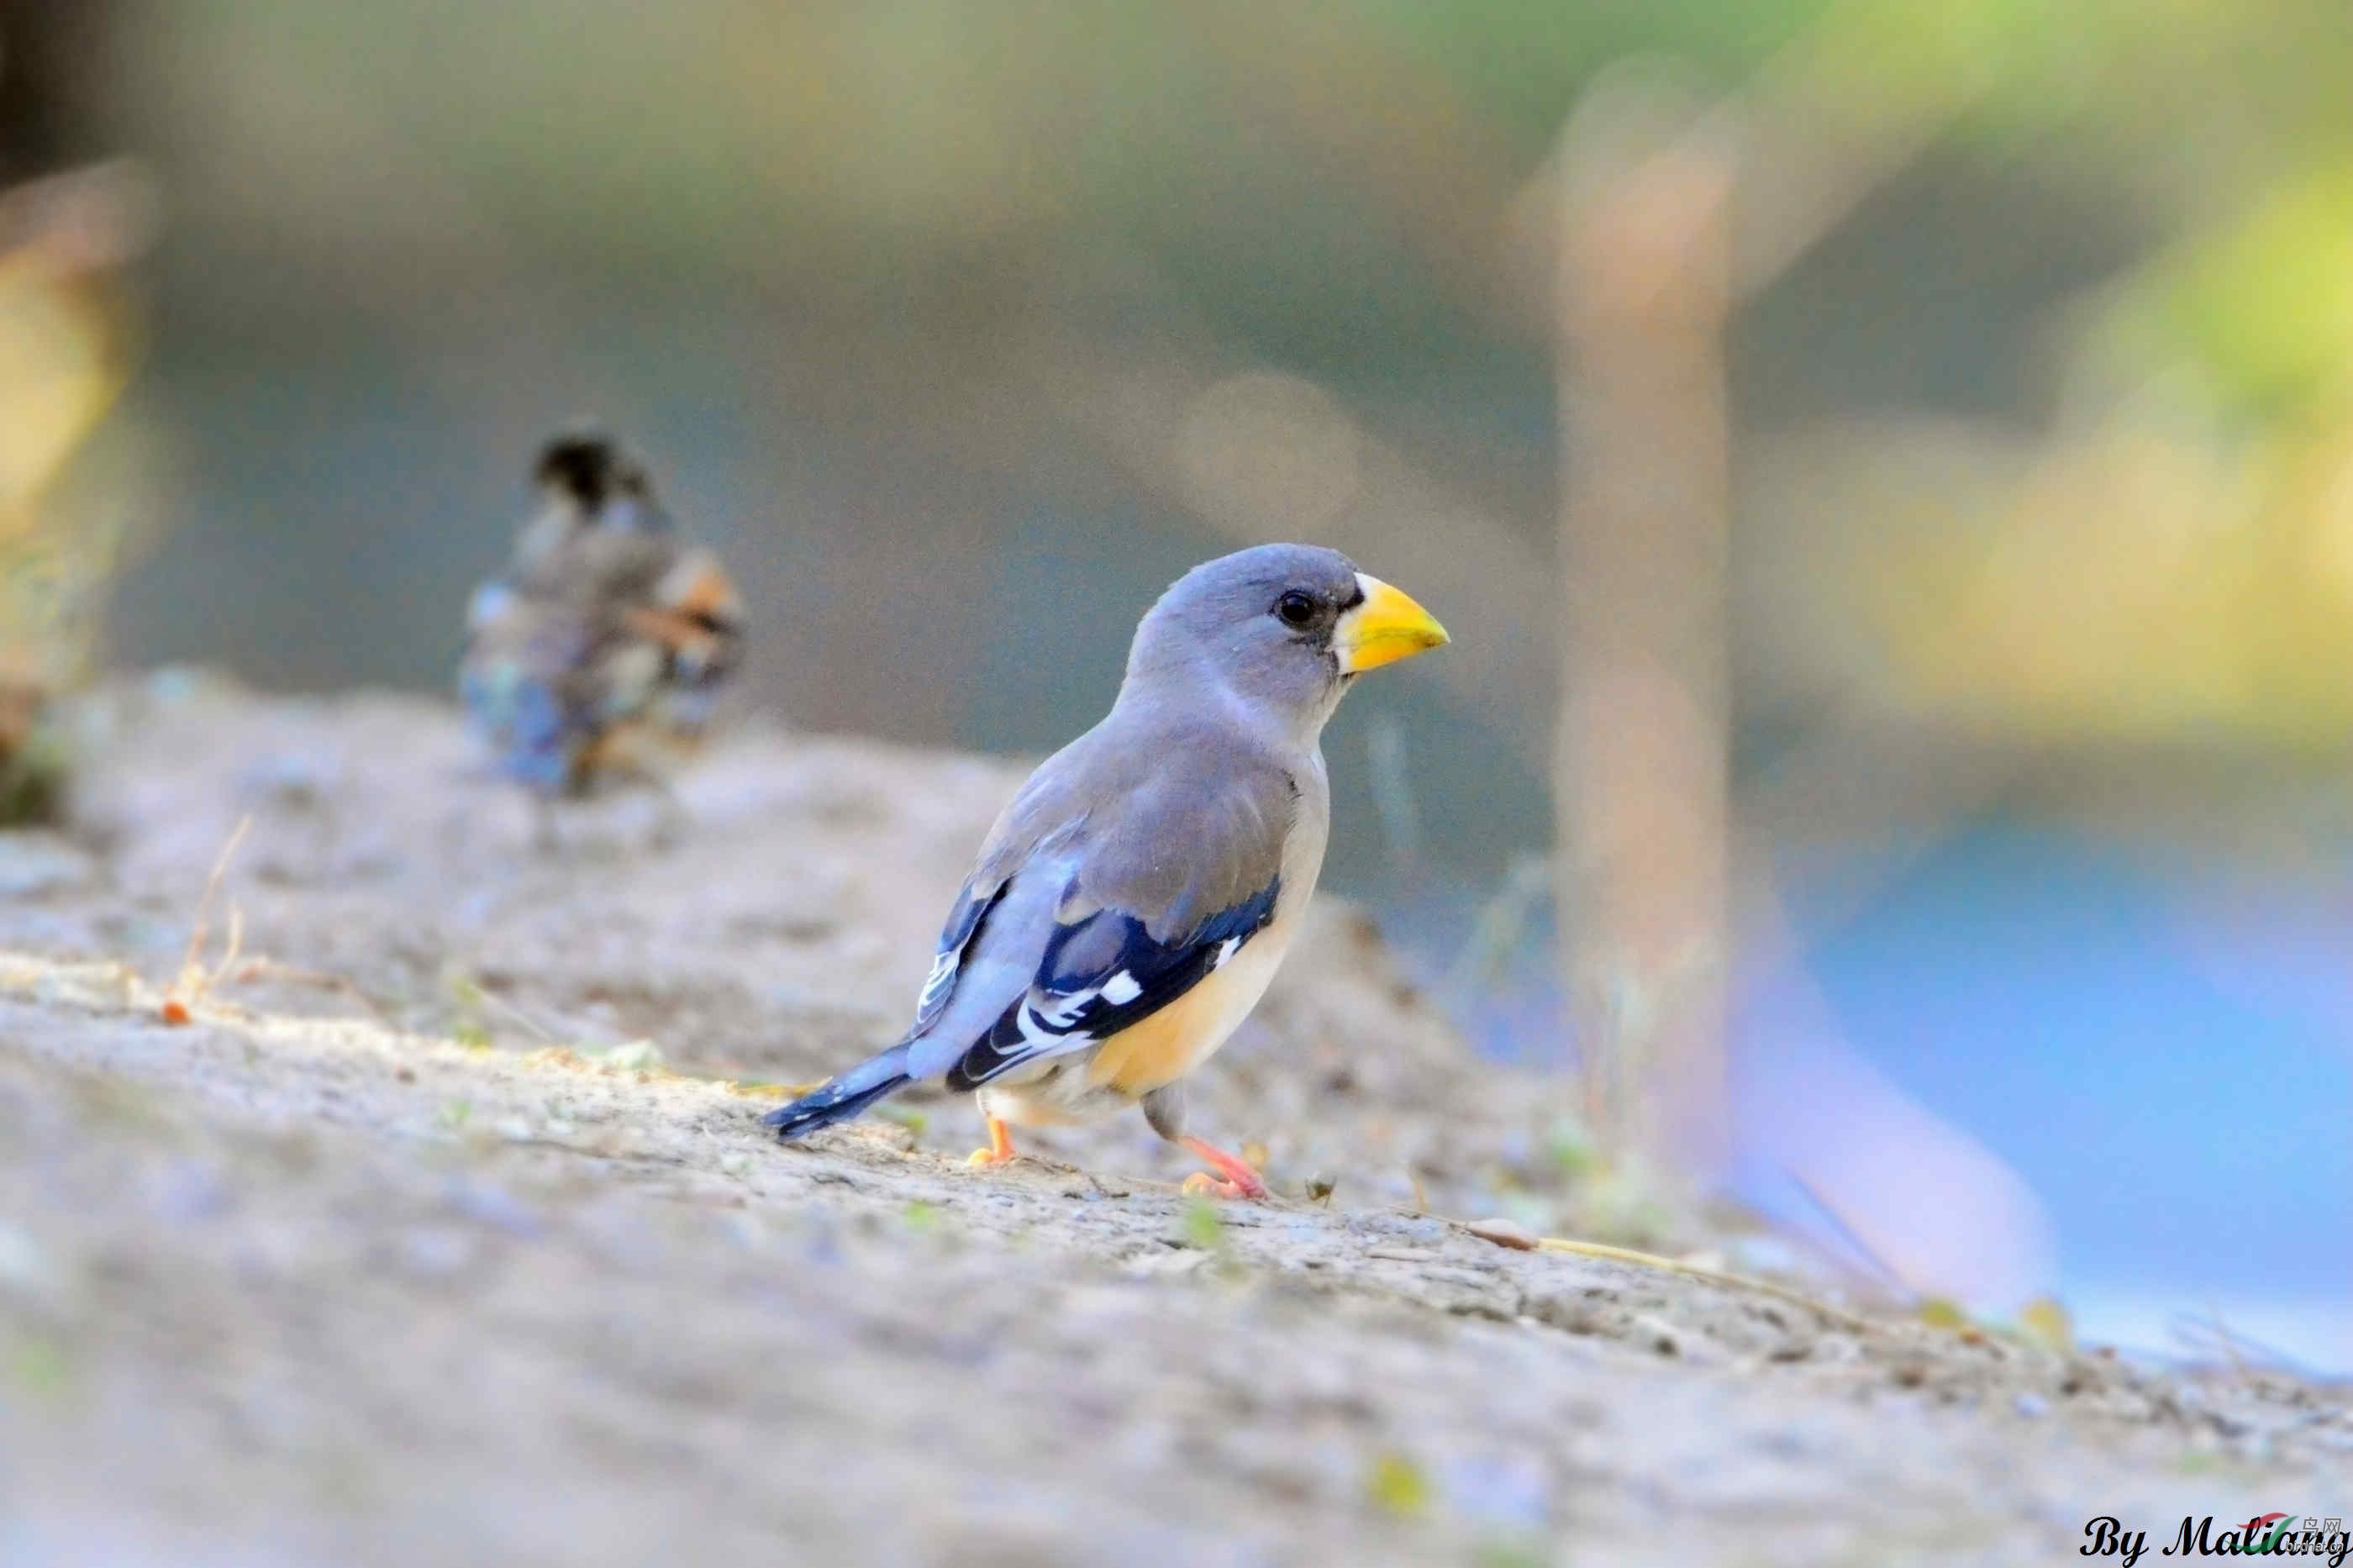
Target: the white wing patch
(941, 980)
(1065, 1011)
(1062, 1017)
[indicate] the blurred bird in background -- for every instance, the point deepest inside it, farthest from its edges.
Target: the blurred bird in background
(598, 654)
(1133, 900)
(67, 346)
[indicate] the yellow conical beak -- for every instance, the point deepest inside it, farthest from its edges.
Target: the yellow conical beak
(1388, 627)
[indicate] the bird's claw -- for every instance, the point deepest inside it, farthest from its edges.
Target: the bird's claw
(999, 1150)
(1237, 1180)
(1201, 1184)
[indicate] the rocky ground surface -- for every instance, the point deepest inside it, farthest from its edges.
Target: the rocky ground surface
(441, 1231)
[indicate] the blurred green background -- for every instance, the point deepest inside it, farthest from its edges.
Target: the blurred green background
(963, 328)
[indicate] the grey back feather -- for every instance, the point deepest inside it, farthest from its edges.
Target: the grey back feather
(1176, 820)
(1171, 823)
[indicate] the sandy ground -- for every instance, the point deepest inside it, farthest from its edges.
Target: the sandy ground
(443, 1233)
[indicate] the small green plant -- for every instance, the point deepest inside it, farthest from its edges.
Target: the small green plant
(1509, 1554)
(632, 1056)
(40, 1367)
(1397, 1487)
(1572, 1151)
(466, 1003)
(1203, 1228)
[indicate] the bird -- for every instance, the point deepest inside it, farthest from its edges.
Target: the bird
(1134, 899)
(602, 647)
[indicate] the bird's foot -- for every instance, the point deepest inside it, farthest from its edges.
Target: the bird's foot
(672, 822)
(1234, 1179)
(999, 1150)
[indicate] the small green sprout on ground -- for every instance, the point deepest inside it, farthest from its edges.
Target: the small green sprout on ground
(1509, 1554)
(40, 1366)
(632, 1056)
(914, 1122)
(1203, 1227)
(1572, 1151)
(1940, 1312)
(467, 1027)
(2045, 1321)
(1397, 1487)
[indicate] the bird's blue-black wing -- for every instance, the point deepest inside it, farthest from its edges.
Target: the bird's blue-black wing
(972, 907)
(1100, 974)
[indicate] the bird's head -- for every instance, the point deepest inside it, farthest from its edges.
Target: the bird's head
(1283, 628)
(591, 475)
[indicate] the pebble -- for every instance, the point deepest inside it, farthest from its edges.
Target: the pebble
(1503, 1233)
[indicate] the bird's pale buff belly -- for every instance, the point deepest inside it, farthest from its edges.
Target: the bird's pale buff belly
(1157, 1051)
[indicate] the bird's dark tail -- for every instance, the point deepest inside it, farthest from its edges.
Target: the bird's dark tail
(847, 1096)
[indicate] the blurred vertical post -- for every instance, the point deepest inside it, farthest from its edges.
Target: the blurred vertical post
(1642, 283)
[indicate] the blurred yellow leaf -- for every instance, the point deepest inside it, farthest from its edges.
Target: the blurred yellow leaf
(2146, 578)
(2261, 303)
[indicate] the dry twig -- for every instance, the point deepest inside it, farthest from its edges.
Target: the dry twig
(194, 979)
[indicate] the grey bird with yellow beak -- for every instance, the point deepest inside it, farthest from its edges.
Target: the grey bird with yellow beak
(1131, 903)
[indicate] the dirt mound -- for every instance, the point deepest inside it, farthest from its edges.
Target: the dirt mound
(410, 1248)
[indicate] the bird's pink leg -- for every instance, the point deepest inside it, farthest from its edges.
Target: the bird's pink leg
(1000, 1146)
(1240, 1180)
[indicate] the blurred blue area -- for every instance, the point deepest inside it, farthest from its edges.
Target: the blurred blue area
(2044, 993)
(2178, 1095)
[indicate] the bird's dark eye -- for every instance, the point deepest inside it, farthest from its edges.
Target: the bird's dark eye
(1295, 609)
